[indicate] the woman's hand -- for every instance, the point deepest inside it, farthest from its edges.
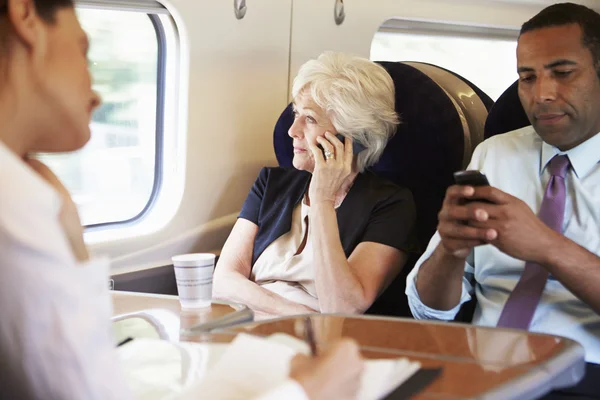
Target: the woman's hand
(69, 217)
(335, 374)
(333, 170)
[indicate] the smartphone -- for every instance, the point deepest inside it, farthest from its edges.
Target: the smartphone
(356, 147)
(470, 178)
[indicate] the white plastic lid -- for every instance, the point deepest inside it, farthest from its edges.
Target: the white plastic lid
(194, 260)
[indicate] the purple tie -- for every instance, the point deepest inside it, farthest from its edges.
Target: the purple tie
(522, 302)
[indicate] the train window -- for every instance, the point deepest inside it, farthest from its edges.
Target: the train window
(115, 177)
(484, 56)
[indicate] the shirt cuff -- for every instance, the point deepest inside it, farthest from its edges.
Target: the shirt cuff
(289, 390)
(421, 311)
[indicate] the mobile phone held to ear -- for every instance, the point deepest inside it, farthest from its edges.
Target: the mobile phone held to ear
(356, 147)
(470, 178)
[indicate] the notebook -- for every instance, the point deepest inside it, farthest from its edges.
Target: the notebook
(253, 365)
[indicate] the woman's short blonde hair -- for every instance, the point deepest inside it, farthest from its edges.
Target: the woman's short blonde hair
(357, 95)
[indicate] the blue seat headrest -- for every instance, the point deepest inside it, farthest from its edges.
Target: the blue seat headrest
(507, 114)
(485, 99)
(282, 142)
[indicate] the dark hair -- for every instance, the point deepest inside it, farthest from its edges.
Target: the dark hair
(566, 14)
(46, 9)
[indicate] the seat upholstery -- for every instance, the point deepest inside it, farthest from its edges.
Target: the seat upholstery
(507, 114)
(426, 150)
(469, 105)
(487, 101)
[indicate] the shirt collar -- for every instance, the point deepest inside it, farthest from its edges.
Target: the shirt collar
(15, 169)
(582, 158)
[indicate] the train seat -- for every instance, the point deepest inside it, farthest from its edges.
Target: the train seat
(507, 114)
(427, 148)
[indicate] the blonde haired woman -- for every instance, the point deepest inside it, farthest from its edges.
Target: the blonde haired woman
(327, 235)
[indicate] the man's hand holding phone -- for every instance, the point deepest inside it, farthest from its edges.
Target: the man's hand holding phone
(475, 213)
(492, 216)
(463, 216)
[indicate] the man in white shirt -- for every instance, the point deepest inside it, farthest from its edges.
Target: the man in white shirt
(484, 244)
(55, 333)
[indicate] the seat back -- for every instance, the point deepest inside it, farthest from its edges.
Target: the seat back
(485, 99)
(471, 107)
(507, 114)
(422, 156)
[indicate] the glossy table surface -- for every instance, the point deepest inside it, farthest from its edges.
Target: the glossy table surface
(127, 303)
(476, 362)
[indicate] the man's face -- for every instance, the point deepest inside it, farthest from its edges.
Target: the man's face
(558, 85)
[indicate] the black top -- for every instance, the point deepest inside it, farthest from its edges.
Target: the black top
(374, 210)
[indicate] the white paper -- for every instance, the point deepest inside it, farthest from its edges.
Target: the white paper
(246, 368)
(253, 365)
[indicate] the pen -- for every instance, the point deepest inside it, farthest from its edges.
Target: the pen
(127, 340)
(309, 336)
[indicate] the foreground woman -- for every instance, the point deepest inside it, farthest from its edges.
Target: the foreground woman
(55, 340)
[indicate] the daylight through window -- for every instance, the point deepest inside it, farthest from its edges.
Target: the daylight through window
(490, 63)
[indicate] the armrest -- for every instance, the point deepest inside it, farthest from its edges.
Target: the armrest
(163, 321)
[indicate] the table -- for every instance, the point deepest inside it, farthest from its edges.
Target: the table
(152, 307)
(477, 362)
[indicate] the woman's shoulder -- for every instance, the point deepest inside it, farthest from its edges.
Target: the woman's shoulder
(383, 188)
(282, 174)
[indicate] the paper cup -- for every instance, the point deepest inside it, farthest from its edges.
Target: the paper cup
(194, 276)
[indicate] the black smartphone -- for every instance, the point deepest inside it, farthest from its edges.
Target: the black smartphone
(356, 147)
(470, 178)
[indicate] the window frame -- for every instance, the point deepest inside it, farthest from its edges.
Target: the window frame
(161, 60)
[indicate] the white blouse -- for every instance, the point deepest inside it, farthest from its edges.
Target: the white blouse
(55, 332)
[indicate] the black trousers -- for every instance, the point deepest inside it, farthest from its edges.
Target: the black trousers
(588, 388)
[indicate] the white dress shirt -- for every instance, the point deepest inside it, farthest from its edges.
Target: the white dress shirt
(515, 163)
(55, 331)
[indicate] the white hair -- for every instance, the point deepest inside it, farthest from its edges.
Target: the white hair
(357, 95)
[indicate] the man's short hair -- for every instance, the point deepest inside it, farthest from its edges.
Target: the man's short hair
(566, 14)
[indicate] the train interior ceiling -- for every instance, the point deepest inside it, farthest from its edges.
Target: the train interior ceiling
(192, 91)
